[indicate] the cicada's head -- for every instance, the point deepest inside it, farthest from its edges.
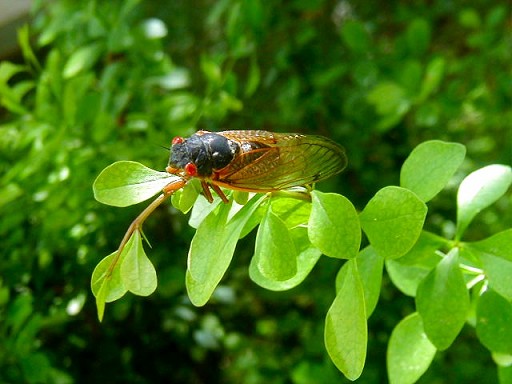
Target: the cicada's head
(201, 154)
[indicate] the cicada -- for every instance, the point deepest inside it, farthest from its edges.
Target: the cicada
(254, 161)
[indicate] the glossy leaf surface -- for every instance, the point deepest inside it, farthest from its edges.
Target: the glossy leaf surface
(346, 333)
(126, 183)
(393, 220)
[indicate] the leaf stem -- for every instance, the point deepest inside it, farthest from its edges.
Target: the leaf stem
(139, 220)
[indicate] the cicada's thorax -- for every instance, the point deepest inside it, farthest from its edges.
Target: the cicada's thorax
(202, 154)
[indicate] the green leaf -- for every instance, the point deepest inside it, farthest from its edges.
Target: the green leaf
(241, 197)
(442, 301)
(10, 98)
(112, 283)
(201, 209)
(306, 259)
(292, 211)
(409, 352)
(274, 254)
(212, 248)
(209, 242)
(126, 183)
(137, 271)
(479, 190)
(26, 48)
(433, 77)
(106, 283)
(211, 70)
(391, 102)
(418, 36)
(408, 271)
(495, 253)
(370, 266)
(82, 59)
(393, 220)
(185, 198)
(346, 333)
(355, 36)
(7, 71)
(254, 77)
(499, 245)
(505, 374)
(494, 322)
(334, 225)
(430, 166)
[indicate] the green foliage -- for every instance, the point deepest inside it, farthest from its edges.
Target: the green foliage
(392, 220)
(102, 82)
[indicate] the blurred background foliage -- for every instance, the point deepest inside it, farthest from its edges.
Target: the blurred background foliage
(105, 81)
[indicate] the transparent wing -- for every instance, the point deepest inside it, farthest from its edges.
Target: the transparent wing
(277, 161)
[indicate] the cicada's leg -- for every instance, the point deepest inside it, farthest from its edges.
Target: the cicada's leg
(219, 192)
(173, 186)
(206, 191)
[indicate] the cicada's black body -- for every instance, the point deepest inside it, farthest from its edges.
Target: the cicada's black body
(208, 152)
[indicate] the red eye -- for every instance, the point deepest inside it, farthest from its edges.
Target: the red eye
(191, 169)
(177, 140)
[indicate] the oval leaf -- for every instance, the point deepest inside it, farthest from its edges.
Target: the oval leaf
(126, 183)
(346, 333)
(409, 352)
(495, 254)
(275, 255)
(408, 271)
(430, 166)
(369, 265)
(333, 225)
(115, 287)
(442, 301)
(494, 322)
(393, 220)
(213, 246)
(479, 190)
(307, 257)
(137, 271)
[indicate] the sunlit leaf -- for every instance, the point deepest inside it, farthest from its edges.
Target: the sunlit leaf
(306, 259)
(82, 59)
(114, 288)
(346, 333)
(479, 190)
(274, 253)
(442, 300)
(126, 183)
(409, 352)
(137, 271)
(494, 322)
(495, 253)
(213, 246)
(333, 225)
(201, 209)
(393, 220)
(408, 271)
(185, 198)
(430, 166)
(370, 265)
(106, 283)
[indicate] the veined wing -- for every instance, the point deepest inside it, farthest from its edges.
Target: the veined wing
(273, 161)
